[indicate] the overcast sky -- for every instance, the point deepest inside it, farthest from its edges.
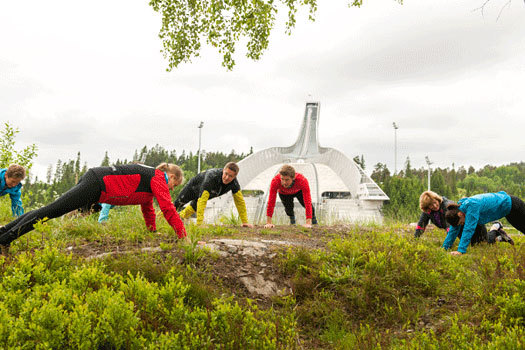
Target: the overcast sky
(89, 77)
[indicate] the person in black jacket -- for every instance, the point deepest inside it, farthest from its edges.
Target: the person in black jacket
(207, 185)
(434, 208)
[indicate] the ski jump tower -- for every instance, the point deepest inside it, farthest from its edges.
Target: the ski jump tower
(340, 189)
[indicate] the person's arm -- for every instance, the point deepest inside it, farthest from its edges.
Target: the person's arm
(148, 212)
(201, 206)
(104, 212)
(308, 223)
(451, 237)
(160, 190)
(207, 186)
(16, 203)
(307, 198)
(271, 199)
(422, 224)
(269, 222)
(240, 204)
(471, 221)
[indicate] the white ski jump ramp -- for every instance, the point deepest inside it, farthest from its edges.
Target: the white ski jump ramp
(340, 189)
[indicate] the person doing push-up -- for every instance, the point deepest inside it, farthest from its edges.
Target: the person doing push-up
(290, 185)
(210, 184)
(119, 185)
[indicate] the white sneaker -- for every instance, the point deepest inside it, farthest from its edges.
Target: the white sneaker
(496, 226)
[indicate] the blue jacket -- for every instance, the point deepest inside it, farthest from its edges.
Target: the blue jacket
(478, 209)
(14, 193)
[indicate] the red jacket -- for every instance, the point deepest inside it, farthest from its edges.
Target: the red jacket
(300, 184)
(138, 184)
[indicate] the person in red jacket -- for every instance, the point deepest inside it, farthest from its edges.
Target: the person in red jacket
(119, 185)
(290, 185)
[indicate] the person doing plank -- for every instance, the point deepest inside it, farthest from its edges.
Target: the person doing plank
(290, 185)
(118, 185)
(210, 184)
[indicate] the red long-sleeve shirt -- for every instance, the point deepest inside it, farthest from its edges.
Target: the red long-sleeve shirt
(300, 184)
(138, 184)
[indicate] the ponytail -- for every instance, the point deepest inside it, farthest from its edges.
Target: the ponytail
(172, 169)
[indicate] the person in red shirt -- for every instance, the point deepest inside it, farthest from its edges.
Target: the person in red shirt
(290, 185)
(118, 185)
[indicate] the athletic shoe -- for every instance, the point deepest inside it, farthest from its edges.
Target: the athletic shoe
(496, 226)
(505, 237)
(292, 220)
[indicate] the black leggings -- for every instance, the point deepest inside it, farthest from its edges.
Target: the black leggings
(85, 193)
(287, 200)
(480, 234)
(516, 216)
(186, 195)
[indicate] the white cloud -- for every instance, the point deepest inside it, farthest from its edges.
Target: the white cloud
(91, 79)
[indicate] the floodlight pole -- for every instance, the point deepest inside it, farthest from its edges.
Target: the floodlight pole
(395, 146)
(199, 152)
(428, 163)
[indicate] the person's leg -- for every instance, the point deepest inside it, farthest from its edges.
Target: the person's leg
(87, 191)
(497, 234)
(13, 223)
(494, 233)
(480, 235)
(300, 198)
(184, 197)
(516, 217)
(492, 236)
(287, 200)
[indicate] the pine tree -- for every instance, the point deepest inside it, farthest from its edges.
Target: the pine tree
(105, 161)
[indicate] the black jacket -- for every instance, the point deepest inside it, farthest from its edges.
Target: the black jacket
(437, 218)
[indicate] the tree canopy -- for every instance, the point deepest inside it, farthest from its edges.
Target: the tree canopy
(187, 24)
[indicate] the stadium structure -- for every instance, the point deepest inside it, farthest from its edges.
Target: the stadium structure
(340, 189)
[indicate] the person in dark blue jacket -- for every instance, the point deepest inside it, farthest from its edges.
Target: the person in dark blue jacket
(11, 183)
(481, 209)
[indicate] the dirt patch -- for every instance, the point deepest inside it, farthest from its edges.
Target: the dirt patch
(246, 262)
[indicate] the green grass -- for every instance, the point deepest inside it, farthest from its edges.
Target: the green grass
(370, 287)
(386, 290)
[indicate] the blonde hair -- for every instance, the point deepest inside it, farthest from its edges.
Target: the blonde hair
(427, 198)
(172, 169)
(287, 170)
(16, 171)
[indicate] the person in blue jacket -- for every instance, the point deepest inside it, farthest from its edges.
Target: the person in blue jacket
(11, 183)
(481, 209)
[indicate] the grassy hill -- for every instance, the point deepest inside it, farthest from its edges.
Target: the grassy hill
(74, 283)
